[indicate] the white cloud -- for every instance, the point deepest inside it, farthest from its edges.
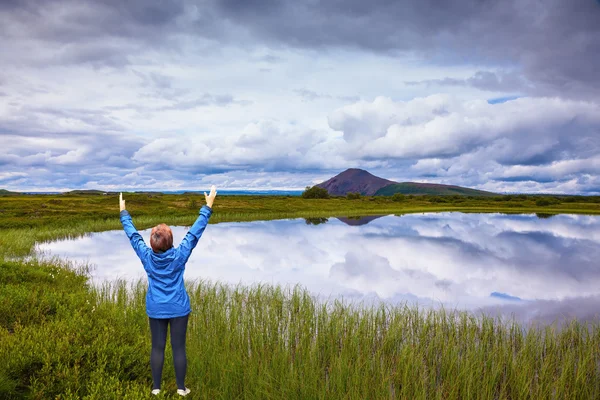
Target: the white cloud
(443, 126)
(264, 145)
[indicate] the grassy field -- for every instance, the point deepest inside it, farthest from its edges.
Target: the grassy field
(63, 338)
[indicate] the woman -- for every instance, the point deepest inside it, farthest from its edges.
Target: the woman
(167, 302)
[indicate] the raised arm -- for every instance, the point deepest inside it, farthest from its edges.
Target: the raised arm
(136, 240)
(191, 238)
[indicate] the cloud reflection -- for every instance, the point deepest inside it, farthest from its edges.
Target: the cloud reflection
(451, 259)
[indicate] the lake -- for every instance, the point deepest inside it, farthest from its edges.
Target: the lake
(535, 267)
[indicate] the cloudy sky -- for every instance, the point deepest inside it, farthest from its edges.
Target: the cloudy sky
(170, 95)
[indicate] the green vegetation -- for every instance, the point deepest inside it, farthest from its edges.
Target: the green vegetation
(398, 197)
(315, 192)
(62, 338)
(430, 189)
(352, 196)
(550, 201)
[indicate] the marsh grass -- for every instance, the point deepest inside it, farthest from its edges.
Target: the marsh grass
(62, 338)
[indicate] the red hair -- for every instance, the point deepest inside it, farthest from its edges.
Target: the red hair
(161, 238)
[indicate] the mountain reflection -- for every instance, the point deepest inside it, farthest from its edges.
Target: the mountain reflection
(352, 221)
(535, 269)
(358, 221)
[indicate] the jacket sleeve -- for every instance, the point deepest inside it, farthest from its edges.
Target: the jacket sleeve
(193, 235)
(136, 240)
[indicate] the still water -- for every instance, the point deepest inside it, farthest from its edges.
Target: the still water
(538, 268)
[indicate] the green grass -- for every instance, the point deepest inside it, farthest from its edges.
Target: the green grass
(62, 338)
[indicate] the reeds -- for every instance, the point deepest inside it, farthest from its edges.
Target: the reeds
(271, 342)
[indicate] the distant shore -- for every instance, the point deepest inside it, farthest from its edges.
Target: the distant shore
(26, 219)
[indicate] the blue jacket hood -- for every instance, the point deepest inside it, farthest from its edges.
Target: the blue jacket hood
(164, 259)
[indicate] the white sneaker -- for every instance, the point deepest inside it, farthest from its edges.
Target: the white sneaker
(155, 391)
(183, 392)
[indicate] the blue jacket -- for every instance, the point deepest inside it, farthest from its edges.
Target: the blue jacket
(166, 297)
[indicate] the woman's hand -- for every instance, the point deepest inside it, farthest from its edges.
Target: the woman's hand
(121, 202)
(210, 198)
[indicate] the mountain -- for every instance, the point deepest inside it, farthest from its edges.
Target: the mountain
(360, 181)
(4, 192)
(356, 181)
(429, 188)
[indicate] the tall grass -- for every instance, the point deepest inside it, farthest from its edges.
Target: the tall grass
(61, 338)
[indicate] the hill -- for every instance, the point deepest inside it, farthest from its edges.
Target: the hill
(4, 192)
(360, 181)
(356, 181)
(86, 191)
(429, 188)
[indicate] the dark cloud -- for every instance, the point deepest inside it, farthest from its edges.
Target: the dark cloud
(71, 21)
(551, 46)
(99, 33)
(555, 44)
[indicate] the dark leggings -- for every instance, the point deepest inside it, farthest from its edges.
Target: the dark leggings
(158, 328)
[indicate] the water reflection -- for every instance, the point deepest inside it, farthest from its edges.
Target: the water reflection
(535, 268)
(544, 215)
(315, 220)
